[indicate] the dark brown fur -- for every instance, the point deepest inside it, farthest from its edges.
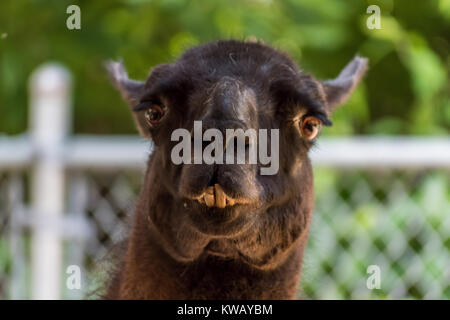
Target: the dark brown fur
(182, 249)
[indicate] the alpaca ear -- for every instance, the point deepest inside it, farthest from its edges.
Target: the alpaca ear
(131, 91)
(338, 90)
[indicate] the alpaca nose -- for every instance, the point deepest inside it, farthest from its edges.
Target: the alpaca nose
(238, 132)
(231, 101)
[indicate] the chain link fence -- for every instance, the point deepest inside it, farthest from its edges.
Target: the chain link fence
(398, 220)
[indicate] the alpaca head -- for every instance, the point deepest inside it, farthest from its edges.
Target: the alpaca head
(188, 108)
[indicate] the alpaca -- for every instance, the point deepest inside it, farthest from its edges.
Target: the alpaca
(224, 231)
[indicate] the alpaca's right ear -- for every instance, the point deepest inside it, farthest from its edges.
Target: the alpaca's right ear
(131, 91)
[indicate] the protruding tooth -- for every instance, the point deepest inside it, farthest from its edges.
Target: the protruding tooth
(230, 201)
(209, 200)
(209, 197)
(220, 196)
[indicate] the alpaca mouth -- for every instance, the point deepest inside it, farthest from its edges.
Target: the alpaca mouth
(215, 196)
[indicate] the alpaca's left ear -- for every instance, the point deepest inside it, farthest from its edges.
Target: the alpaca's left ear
(338, 90)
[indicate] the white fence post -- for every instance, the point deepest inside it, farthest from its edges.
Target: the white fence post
(50, 99)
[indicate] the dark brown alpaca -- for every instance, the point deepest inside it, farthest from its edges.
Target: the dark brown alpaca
(225, 231)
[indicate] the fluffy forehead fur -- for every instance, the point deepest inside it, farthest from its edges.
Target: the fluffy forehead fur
(279, 86)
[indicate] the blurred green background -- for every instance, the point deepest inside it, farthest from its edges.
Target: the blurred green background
(406, 91)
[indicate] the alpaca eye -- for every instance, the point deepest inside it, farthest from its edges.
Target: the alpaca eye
(310, 128)
(154, 114)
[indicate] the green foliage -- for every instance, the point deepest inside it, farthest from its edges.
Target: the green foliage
(405, 92)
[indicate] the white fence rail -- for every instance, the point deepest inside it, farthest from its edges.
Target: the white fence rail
(49, 150)
(85, 151)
